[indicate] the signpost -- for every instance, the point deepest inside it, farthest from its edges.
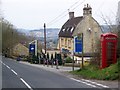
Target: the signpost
(33, 49)
(78, 45)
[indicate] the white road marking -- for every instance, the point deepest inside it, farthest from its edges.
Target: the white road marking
(7, 66)
(0, 61)
(20, 78)
(26, 84)
(96, 83)
(83, 82)
(3, 64)
(14, 72)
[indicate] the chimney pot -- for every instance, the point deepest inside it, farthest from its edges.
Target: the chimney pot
(87, 10)
(71, 15)
(87, 5)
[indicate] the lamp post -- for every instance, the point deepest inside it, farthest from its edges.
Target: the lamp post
(82, 51)
(11, 26)
(73, 56)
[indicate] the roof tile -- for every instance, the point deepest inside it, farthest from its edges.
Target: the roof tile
(69, 27)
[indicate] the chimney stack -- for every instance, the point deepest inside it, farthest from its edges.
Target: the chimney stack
(87, 10)
(71, 15)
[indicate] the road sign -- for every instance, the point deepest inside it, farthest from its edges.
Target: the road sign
(78, 44)
(32, 48)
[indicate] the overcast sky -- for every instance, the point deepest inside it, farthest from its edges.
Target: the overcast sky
(32, 14)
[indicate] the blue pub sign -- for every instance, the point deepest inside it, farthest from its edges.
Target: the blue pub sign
(78, 44)
(32, 48)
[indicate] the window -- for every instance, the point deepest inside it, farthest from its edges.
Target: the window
(69, 43)
(63, 29)
(62, 42)
(72, 29)
(65, 41)
(68, 29)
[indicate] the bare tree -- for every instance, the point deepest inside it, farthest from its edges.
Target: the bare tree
(111, 28)
(10, 36)
(118, 48)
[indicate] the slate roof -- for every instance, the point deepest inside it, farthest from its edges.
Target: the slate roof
(69, 27)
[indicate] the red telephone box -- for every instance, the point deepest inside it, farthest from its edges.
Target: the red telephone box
(108, 49)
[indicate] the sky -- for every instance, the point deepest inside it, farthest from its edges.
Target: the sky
(32, 14)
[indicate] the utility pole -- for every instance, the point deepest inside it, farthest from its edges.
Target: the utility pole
(45, 37)
(45, 41)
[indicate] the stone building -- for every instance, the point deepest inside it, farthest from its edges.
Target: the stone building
(65, 42)
(20, 50)
(50, 52)
(74, 26)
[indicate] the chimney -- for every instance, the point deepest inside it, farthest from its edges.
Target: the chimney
(71, 15)
(87, 10)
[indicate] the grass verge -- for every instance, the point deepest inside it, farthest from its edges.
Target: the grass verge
(93, 72)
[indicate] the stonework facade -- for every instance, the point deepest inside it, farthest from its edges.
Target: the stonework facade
(85, 24)
(91, 33)
(20, 50)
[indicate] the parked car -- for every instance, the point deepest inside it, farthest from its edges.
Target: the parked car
(18, 58)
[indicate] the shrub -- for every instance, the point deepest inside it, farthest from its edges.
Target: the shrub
(68, 60)
(35, 59)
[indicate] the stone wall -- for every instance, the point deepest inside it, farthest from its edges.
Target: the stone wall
(91, 33)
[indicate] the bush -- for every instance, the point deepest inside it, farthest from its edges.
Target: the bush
(68, 60)
(29, 59)
(35, 59)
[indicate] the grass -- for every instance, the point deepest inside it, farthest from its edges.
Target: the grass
(93, 72)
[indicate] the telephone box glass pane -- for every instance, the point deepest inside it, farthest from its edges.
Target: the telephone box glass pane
(110, 53)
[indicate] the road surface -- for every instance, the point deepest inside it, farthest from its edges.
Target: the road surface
(19, 75)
